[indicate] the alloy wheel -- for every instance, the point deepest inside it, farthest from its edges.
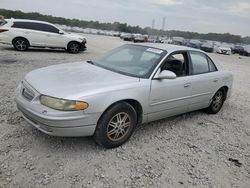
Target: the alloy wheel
(74, 48)
(118, 127)
(217, 100)
(21, 45)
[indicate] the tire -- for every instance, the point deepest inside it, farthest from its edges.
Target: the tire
(74, 47)
(116, 125)
(21, 44)
(217, 102)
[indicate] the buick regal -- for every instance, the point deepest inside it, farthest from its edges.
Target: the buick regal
(133, 84)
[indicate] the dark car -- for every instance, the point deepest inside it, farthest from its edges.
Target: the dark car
(245, 51)
(194, 44)
(207, 47)
(237, 49)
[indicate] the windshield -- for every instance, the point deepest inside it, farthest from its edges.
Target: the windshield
(132, 60)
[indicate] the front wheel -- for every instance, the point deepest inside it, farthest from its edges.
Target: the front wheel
(217, 102)
(116, 125)
(74, 47)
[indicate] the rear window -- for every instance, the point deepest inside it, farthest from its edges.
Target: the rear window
(3, 22)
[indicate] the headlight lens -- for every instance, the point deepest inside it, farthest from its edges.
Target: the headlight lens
(63, 104)
(83, 39)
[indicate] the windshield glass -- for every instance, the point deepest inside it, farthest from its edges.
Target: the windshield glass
(132, 60)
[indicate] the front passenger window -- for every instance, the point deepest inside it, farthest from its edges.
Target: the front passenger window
(50, 29)
(176, 63)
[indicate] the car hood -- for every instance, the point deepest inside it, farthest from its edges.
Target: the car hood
(74, 35)
(77, 79)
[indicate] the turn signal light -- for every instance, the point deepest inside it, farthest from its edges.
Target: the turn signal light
(81, 105)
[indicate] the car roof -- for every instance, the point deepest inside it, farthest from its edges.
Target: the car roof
(168, 47)
(25, 20)
(174, 48)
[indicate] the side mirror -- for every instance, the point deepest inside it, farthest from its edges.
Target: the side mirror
(61, 32)
(165, 74)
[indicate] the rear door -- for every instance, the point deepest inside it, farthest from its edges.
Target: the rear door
(31, 31)
(204, 79)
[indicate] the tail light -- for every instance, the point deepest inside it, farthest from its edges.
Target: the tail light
(3, 30)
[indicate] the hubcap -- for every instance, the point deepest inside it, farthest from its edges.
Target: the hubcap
(21, 45)
(218, 99)
(118, 126)
(74, 48)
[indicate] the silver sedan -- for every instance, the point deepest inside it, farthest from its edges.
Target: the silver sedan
(130, 85)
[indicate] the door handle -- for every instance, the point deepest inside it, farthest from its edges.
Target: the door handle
(215, 80)
(187, 85)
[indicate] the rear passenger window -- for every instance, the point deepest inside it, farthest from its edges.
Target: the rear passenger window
(212, 67)
(27, 25)
(199, 62)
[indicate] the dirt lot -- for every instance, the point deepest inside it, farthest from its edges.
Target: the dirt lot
(191, 150)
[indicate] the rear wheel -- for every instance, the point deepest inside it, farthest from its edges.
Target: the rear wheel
(217, 102)
(21, 44)
(116, 125)
(74, 47)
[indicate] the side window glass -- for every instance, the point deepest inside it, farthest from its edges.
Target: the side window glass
(211, 64)
(176, 63)
(27, 25)
(18, 25)
(51, 29)
(37, 26)
(199, 62)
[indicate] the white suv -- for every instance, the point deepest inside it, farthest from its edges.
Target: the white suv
(25, 33)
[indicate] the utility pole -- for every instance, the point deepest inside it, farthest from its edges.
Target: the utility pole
(163, 23)
(153, 24)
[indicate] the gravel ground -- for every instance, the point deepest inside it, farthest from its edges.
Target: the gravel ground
(191, 150)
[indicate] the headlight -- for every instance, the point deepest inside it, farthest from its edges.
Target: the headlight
(63, 104)
(83, 39)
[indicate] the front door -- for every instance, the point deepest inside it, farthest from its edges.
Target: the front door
(53, 38)
(170, 97)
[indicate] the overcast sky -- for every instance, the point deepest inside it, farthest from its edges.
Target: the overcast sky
(188, 15)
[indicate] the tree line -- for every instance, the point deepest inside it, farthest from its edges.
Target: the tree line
(124, 27)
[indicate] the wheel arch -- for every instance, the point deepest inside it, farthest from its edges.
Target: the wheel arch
(225, 90)
(134, 103)
(72, 42)
(18, 38)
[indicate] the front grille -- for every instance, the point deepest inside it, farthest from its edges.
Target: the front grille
(28, 94)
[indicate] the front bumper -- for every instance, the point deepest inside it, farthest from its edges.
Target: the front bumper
(83, 45)
(54, 122)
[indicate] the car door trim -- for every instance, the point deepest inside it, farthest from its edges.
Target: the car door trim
(179, 99)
